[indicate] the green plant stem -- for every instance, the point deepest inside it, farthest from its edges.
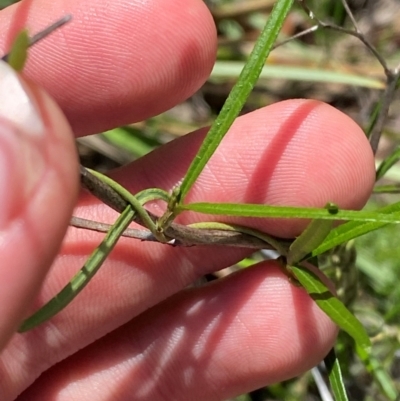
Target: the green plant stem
(94, 262)
(238, 95)
(84, 275)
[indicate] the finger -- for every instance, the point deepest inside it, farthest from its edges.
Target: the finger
(116, 62)
(263, 159)
(293, 153)
(213, 343)
(37, 194)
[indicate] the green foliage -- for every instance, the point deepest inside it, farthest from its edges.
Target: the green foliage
(6, 3)
(378, 219)
(225, 70)
(82, 278)
(388, 163)
(132, 140)
(332, 306)
(19, 51)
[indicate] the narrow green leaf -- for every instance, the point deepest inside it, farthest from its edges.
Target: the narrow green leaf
(231, 69)
(393, 174)
(335, 376)
(354, 229)
(255, 210)
(82, 278)
(19, 51)
(374, 115)
(388, 163)
(239, 93)
(308, 240)
(6, 3)
(131, 140)
(387, 189)
(332, 306)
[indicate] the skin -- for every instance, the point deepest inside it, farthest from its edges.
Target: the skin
(135, 332)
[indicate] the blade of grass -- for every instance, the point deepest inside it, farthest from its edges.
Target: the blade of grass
(131, 140)
(231, 69)
(238, 95)
(388, 163)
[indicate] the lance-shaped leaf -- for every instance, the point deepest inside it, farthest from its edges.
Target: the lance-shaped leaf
(335, 376)
(19, 51)
(332, 306)
(84, 275)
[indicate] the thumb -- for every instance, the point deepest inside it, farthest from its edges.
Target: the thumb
(38, 188)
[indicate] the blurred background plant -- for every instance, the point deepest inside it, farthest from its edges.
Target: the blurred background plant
(337, 69)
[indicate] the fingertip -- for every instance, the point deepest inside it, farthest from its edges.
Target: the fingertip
(324, 157)
(43, 186)
(140, 58)
(335, 148)
(281, 330)
(249, 330)
(293, 153)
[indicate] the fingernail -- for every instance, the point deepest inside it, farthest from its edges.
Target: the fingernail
(16, 104)
(22, 132)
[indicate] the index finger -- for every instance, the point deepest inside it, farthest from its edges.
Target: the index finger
(116, 62)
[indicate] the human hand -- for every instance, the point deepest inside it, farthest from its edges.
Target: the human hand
(210, 343)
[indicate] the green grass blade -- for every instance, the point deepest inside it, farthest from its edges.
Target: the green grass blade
(224, 70)
(132, 140)
(373, 118)
(332, 306)
(387, 189)
(82, 278)
(335, 376)
(19, 51)
(255, 210)
(388, 163)
(239, 93)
